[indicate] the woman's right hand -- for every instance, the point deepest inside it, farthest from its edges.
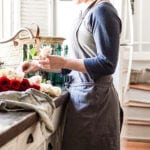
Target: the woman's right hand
(30, 66)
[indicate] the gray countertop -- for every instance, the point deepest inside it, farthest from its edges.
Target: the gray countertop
(14, 123)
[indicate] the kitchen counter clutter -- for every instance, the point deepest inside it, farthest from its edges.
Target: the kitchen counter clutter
(31, 105)
(23, 129)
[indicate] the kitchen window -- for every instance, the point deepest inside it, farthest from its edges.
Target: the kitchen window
(22, 13)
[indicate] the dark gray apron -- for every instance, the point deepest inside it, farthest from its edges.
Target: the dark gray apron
(93, 113)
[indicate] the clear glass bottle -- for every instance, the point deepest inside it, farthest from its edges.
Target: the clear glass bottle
(51, 75)
(65, 77)
(58, 76)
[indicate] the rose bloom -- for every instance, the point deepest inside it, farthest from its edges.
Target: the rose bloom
(4, 83)
(25, 84)
(15, 84)
(35, 86)
(35, 79)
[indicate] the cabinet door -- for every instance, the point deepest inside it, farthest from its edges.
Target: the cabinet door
(30, 139)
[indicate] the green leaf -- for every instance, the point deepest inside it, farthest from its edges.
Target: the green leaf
(33, 52)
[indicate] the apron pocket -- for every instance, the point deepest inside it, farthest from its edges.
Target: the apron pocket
(80, 96)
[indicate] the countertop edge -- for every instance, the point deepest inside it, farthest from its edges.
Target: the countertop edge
(18, 128)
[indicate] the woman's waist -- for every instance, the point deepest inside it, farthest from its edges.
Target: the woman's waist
(81, 79)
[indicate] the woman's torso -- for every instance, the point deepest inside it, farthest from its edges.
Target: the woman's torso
(83, 46)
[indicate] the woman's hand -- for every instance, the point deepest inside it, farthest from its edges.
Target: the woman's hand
(28, 66)
(52, 63)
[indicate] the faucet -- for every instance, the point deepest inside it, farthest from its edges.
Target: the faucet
(14, 37)
(17, 33)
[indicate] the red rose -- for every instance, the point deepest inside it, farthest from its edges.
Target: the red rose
(35, 86)
(15, 84)
(25, 84)
(4, 83)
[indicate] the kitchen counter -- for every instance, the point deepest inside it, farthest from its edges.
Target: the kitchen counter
(14, 123)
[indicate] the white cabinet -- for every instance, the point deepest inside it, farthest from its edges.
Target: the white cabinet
(35, 137)
(31, 138)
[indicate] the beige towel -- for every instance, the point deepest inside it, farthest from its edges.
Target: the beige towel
(30, 99)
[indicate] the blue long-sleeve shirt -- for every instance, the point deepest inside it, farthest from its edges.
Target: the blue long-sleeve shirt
(105, 26)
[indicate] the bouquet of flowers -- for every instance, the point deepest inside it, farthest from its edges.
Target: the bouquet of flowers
(10, 80)
(13, 80)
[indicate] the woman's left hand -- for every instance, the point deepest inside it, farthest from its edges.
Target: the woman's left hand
(52, 63)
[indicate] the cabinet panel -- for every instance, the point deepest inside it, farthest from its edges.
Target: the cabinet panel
(31, 138)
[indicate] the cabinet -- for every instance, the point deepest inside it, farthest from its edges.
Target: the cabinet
(23, 130)
(31, 138)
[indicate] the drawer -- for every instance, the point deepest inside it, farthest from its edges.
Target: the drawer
(31, 138)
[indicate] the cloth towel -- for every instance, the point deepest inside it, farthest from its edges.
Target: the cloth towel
(30, 100)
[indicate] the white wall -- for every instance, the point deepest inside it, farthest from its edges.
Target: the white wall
(7, 18)
(66, 11)
(1, 18)
(65, 14)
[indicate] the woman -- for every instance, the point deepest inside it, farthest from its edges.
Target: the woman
(93, 112)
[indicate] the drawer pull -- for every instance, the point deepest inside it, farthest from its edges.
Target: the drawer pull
(30, 139)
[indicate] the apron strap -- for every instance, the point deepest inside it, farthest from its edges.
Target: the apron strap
(83, 16)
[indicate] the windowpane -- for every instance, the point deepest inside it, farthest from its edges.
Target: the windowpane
(35, 11)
